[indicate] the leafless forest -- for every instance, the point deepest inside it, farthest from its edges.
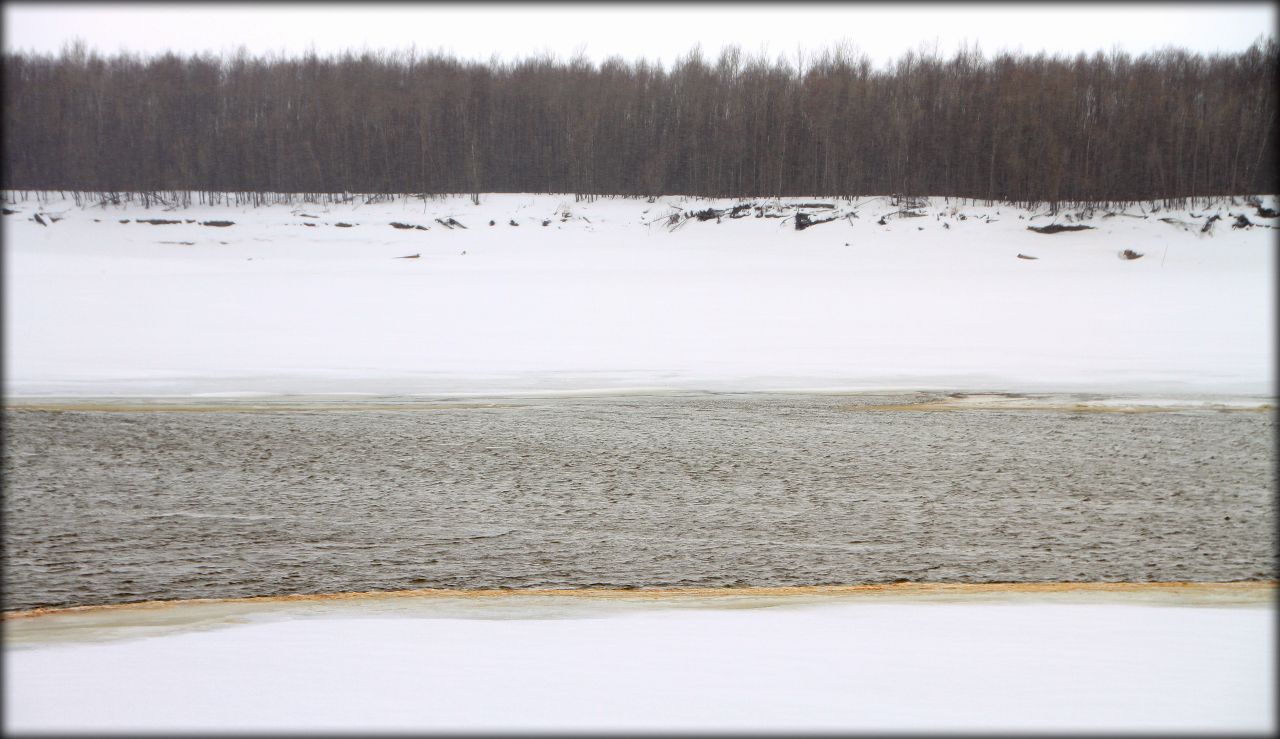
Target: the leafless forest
(1104, 127)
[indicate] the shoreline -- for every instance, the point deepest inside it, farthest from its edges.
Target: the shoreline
(1244, 591)
(927, 399)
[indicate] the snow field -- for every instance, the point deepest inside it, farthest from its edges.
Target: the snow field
(613, 297)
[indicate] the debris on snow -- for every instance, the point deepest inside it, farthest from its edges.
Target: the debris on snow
(1058, 228)
(804, 220)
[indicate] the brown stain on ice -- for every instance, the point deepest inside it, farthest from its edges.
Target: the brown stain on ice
(1254, 587)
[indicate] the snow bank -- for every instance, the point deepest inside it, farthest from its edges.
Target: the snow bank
(510, 663)
(612, 294)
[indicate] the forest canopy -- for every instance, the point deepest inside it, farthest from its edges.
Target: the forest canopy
(1106, 126)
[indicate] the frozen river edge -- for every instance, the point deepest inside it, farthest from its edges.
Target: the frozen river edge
(1044, 657)
(84, 624)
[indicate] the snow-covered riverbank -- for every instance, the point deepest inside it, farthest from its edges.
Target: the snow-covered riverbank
(617, 294)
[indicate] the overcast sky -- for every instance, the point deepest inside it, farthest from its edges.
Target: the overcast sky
(655, 31)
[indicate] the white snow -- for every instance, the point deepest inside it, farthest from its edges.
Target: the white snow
(613, 299)
(520, 664)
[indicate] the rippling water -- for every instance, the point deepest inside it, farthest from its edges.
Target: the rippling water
(106, 507)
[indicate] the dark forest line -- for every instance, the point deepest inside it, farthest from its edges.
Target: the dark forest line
(1102, 127)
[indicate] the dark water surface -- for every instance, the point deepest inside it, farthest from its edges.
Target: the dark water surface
(127, 505)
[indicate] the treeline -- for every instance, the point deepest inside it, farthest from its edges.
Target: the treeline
(1171, 124)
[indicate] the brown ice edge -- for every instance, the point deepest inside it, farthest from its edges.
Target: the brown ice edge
(1250, 592)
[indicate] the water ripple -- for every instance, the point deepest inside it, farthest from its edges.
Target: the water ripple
(715, 491)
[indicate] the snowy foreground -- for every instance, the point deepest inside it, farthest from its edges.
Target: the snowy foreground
(1142, 660)
(615, 294)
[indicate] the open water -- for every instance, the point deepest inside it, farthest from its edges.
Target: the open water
(119, 503)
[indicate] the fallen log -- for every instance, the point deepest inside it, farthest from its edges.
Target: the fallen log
(804, 220)
(1058, 228)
